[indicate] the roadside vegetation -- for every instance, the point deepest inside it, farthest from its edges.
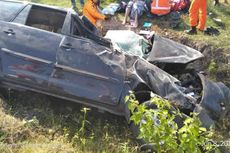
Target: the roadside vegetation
(166, 129)
(33, 123)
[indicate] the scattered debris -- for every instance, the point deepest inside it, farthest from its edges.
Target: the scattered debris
(147, 25)
(218, 22)
(211, 31)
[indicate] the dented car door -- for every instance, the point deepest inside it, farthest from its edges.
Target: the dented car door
(80, 74)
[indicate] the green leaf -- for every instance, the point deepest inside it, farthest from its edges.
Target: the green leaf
(203, 129)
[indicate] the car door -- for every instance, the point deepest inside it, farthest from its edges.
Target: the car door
(27, 55)
(80, 73)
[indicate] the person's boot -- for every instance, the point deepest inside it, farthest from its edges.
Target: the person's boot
(216, 2)
(191, 31)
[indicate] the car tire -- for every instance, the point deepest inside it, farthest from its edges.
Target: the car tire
(136, 131)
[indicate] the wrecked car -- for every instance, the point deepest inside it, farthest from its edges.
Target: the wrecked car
(49, 50)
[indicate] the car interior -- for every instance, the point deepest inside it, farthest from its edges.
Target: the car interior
(47, 19)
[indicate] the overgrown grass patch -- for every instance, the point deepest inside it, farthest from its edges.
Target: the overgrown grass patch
(33, 123)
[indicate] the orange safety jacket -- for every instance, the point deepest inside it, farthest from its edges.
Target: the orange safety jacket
(160, 7)
(91, 12)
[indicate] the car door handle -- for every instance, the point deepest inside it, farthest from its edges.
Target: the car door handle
(68, 46)
(9, 32)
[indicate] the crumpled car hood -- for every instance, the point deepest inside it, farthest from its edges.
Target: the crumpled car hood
(168, 51)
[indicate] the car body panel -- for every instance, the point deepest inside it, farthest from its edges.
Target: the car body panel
(80, 71)
(168, 51)
(15, 6)
(26, 54)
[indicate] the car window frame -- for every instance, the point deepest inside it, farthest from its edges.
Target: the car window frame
(73, 24)
(87, 34)
(66, 30)
(73, 17)
(28, 5)
(41, 6)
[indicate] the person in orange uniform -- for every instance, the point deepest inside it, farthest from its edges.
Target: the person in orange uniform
(160, 7)
(197, 16)
(90, 11)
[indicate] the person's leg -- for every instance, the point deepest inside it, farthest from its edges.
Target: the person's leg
(194, 13)
(202, 15)
(148, 4)
(73, 3)
(82, 3)
(127, 12)
(193, 16)
(216, 2)
(136, 13)
(136, 21)
(99, 3)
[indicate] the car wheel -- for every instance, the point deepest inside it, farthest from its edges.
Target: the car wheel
(136, 131)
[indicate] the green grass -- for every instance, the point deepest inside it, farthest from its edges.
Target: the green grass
(66, 3)
(40, 124)
(61, 3)
(221, 12)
